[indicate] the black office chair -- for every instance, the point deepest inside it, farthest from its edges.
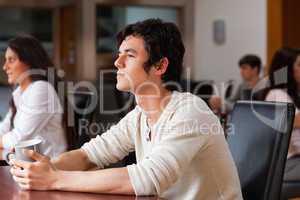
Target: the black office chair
(258, 137)
(79, 102)
(290, 189)
(229, 88)
(203, 88)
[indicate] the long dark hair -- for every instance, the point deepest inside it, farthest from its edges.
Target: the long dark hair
(30, 51)
(284, 58)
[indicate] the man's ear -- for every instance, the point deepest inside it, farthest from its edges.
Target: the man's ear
(161, 66)
(256, 70)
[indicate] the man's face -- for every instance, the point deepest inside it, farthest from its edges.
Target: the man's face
(131, 75)
(247, 72)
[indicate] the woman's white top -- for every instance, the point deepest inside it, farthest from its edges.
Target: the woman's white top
(39, 115)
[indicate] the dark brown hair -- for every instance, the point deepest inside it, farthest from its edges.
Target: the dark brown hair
(161, 39)
(252, 60)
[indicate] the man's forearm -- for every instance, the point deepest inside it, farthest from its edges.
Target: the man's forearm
(75, 160)
(114, 180)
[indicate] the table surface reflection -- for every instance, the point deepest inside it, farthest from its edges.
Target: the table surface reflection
(9, 190)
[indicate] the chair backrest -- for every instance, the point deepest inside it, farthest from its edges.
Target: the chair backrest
(79, 102)
(113, 104)
(229, 88)
(203, 88)
(258, 137)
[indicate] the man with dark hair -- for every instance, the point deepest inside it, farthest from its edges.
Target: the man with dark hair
(179, 143)
(250, 66)
(252, 61)
(158, 45)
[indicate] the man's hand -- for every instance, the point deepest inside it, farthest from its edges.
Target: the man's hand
(39, 175)
(215, 103)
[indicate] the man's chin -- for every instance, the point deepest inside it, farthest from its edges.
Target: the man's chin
(123, 89)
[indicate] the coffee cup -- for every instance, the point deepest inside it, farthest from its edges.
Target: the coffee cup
(19, 153)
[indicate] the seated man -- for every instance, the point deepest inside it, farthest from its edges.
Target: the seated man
(179, 143)
(250, 66)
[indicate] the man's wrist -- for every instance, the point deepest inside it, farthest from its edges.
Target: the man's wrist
(59, 178)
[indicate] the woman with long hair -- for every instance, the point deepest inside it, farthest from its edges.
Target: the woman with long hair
(35, 108)
(284, 77)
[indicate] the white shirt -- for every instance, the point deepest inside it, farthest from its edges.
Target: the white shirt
(187, 159)
(39, 115)
(279, 95)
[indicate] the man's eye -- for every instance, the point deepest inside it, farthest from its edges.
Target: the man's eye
(129, 55)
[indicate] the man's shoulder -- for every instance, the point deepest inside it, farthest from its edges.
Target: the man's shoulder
(187, 104)
(191, 115)
(132, 115)
(188, 99)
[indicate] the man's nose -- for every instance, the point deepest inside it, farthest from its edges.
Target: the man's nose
(4, 66)
(119, 62)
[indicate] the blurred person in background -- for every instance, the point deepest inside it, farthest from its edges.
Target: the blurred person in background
(250, 66)
(284, 77)
(35, 110)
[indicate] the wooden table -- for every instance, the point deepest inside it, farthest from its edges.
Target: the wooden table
(9, 190)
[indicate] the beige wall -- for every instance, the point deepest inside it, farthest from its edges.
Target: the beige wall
(245, 33)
